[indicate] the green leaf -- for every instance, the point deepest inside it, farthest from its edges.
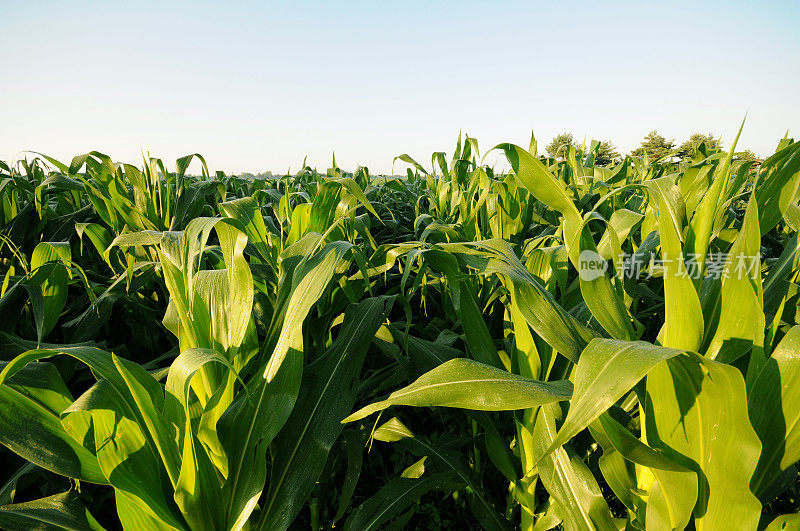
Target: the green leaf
(8, 490)
(148, 399)
(673, 494)
(477, 333)
(698, 237)
(696, 413)
(741, 322)
(133, 452)
(568, 479)
(246, 430)
(441, 453)
(539, 308)
(30, 404)
(467, 384)
(355, 459)
(774, 408)
(600, 296)
(101, 420)
(58, 512)
(48, 284)
(779, 179)
(392, 431)
(784, 522)
(607, 369)
(327, 393)
(538, 180)
(415, 470)
(309, 280)
(392, 499)
(683, 315)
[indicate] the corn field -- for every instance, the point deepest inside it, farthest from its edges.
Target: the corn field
(562, 345)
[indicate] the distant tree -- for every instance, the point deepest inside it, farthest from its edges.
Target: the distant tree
(606, 154)
(746, 155)
(557, 148)
(688, 148)
(654, 146)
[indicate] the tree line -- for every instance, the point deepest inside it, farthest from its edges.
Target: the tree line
(654, 146)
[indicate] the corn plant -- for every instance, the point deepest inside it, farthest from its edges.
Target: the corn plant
(208, 352)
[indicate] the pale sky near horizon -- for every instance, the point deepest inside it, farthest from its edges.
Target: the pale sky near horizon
(258, 86)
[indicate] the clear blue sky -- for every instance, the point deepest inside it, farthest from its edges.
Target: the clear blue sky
(257, 86)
